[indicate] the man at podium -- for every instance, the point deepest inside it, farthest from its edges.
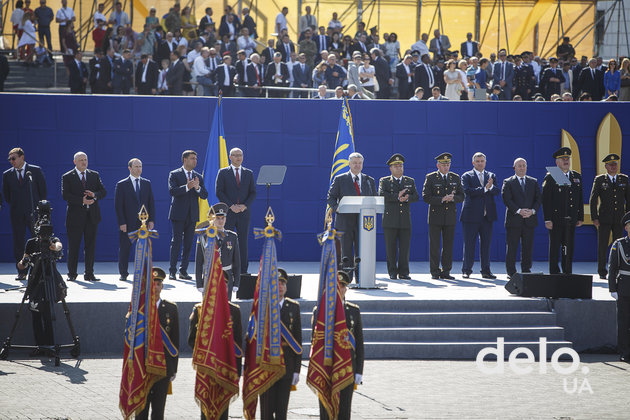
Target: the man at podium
(352, 183)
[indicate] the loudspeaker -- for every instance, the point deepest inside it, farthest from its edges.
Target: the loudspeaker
(572, 286)
(248, 286)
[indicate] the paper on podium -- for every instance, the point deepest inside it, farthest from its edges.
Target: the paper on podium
(558, 175)
(354, 204)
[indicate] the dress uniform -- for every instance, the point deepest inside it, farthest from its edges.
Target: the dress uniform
(237, 332)
(442, 215)
(563, 207)
(619, 287)
(169, 320)
(227, 242)
(613, 193)
(398, 191)
(353, 322)
(274, 402)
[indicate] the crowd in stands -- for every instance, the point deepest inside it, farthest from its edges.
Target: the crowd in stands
(177, 54)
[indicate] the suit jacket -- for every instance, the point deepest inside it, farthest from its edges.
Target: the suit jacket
(356, 46)
(559, 202)
(497, 74)
(72, 192)
(104, 75)
(463, 50)
(268, 53)
(175, 78)
(251, 74)
(122, 73)
(271, 71)
(434, 188)
(322, 40)
(76, 76)
(240, 71)
(248, 22)
(515, 198)
(401, 75)
(433, 45)
(290, 317)
(220, 75)
(127, 204)
(93, 71)
(592, 85)
(151, 77)
(230, 193)
(613, 199)
(549, 88)
(382, 72)
(169, 321)
(302, 77)
(342, 186)
(184, 203)
(397, 214)
(282, 50)
(224, 29)
(476, 200)
(164, 52)
(18, 195)
(354, 324)
(421, 79)
(203, 23)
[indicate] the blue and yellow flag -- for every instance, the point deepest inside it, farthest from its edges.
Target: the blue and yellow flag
(216, 158)
(344, 144)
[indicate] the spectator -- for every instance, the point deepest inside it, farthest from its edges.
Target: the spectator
(206, 21)
(105, 72)
(119, 18)
(592, 81)
(354, 78)
(225, 45)
(353, 93)
(335, 24)
(392, 51)
(249, 23)
(269, 51)
(44, 16)
(152, 20)
(108, 39)
(323, 42)
(496, 91)
(404, 74)
(439, 45)
(175, 75)
(585, 97)
(254, 76)
(436, 95)
(245, 43)
(94, 67)
(308, 47)
(417, 95)
(189, 26)
(462, 68)
(517, 98)
(116, 41)
(454, 83)
(173, 20)
(625, 80)
(471, 75)
(4, 70)
(503, 74)
(281, 20)
(180, 40)
(552, 79)
(360, 31)
(228, 11)
(338, 92)
(123, 73)
(241, 67)
(27, 40)
(469, 48)
(307, 21)
(77, 74)
(302, 75)
(225, 75)
(70, 44)
(421, 46)
(99, 14)
(128, 40)
(64, 16)
(335, 74)
(146, 42)
(347, 47)
(481, 80)
(201, 72)
(382, 73)
(319, 74)
(322, 92)
(162, 86)
(611, 98)
(367, 75)
(361, 44)
(98, 34)
(336, 46)
(146, 76)
(16, 19)
(285, 47)
(424, 76)
(565, 51)
(612, 79)
(567, 85)
(277, 75)
(166, 47)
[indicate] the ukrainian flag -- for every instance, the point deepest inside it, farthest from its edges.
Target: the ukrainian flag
(216, 158)
(344, 144)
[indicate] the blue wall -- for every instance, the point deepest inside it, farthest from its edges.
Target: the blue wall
(301, 135)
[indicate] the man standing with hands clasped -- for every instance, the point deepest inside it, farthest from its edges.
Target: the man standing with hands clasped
(619, 287)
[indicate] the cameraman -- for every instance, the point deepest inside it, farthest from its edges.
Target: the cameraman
(40, 254)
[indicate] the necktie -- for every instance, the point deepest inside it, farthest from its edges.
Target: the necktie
(83, 179)
(138, 189)
(189, 176)
(259, 84)
(444, 177)
(430, 73)
(288, 48)
(20, 177)
(302, 66)
(238, 178)
(439, 44)
(523, 184)
(593, 74)
(356, 185)
(503, 70)
(480, 176)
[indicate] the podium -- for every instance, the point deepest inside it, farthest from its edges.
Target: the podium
(367, 207)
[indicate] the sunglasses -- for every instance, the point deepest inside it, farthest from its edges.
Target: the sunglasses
(12, 158)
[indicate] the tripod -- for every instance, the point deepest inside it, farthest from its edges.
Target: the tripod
(47, 276)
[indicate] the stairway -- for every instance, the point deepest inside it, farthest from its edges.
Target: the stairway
(443, 329)
(32, 79)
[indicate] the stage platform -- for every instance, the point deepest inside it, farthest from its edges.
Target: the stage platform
(419, 318)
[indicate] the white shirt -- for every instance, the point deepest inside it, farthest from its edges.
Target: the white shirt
(480, 177)
(408, 71)
(16, 17)
(306, 21)
(414, 98)
(612, 178)
(226, 79)
(240, 172)
(357, 177)
(162, 80)
(199, 67)
(192, 55)
(247, 44)
(421, 47)
(231, 29)
(182, 41)
(97, 16)
(20, 171)
(133, 181)
(65, 13)
(281, 20)
(469, 48)
(144, 72)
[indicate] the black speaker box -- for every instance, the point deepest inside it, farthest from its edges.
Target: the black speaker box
(572, 286)
(248, 286)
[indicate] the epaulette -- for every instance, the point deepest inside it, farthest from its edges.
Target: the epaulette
(169, 302)
(230, 231)
(235, 305)
(352, 305)
(293, 301)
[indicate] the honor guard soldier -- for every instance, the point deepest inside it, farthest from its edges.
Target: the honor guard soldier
(227, 242)
(274, 402)
(353, 322)
(237, 332)
(169, 320)
(398, 191)
(619, 287)
(613, 193)
(563, 210)
(442, 190)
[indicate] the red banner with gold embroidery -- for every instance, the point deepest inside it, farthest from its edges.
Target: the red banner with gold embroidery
(214, 360)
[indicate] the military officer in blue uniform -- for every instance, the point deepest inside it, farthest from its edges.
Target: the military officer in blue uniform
(610, 200)
(619, 287)
(227, 242)
(398, 191)
(442, 190)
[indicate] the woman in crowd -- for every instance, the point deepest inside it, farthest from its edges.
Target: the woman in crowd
(16, 19)
(392, 50)
(336, 45)
(366, 73)
(612, 79)
(454, 83)
(346, 50)
(152, 20)
(27, 41)
(108, 40)
(116, 41)
(128, 41)
(463, 66)
(244, 42)
(188, 24)
(70, 44)
(624, 91)
(319, 74)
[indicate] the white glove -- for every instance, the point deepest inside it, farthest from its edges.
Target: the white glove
(358, 378)
(235, 289)
(614, 295)
(296, 379)
(173, 377)
(200, 289)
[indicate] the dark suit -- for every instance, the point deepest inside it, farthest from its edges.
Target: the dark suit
(282, 49)
(271, 81)
(151, 77)
(397, 222)
(275, 401)
(405, 88)
(175, 78)
(549, 88)
(164, 51)
(524, 82)
(382, 74)
(442, 218)
(81, 220)
(501, 70)
(564, 206)
(169, 321)
(254, 78)
(228, 90)
(77, 74)
(183, 214)
(229, 192)
(18, 196)
(593, 84)
(479, 212)
(128, 204)
(302, 77)
(224, 29)
(348, 223)
(240, 71)
(123, 72)
(204, 23)
(248, 22)
(614, 202)
(517, 228)
(4, 70)
(92, 65)
(422, 79)
(620, 283)
(104, 77)
(229, 251)
(463, 50)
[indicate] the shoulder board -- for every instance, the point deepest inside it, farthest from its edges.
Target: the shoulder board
(295, 302)
(230, 231)
(168, 302)
(352, 305)
(622, 176)
(576, 173)
(600, 176)
(235, 305)
(385, 178)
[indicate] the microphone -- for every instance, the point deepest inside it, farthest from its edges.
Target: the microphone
(29, 175)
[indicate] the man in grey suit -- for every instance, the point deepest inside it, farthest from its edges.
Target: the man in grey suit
(503, 75)
(353, 75)
(353, 183)
(175, 75)
(439, 45)
(522, 198)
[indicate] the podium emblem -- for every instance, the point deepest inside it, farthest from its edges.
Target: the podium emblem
(368, 223)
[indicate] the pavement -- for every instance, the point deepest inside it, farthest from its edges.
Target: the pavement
(88, 389)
